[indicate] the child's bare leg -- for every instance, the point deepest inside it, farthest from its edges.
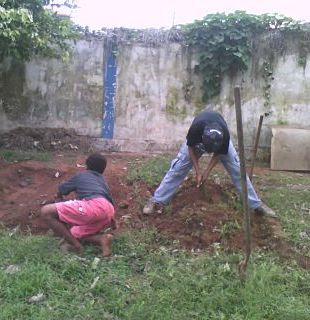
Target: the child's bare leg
(104, 241)
(50, 216)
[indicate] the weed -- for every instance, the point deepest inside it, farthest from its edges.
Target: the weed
(191, 217)
(227, 228)
(17, 156)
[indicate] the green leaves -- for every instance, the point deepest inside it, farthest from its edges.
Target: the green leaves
(225, 43)
(28, 28)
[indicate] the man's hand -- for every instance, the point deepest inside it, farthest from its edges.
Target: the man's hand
(205, 176)
(199, 179)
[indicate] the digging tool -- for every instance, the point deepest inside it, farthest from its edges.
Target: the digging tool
(247, 226)
(261, 118)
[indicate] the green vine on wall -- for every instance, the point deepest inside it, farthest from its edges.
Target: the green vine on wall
(267, 72)
(225, 44)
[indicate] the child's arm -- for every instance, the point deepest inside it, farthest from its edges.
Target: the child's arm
(58, 197)
(64, 189)
(114, 224)
(67, 187)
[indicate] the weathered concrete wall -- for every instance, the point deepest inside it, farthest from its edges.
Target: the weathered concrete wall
(53, 93)
(157, 94)
(289, 102)
(290, 149)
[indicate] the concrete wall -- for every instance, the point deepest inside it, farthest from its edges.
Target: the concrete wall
(157, 94)
(53, 93)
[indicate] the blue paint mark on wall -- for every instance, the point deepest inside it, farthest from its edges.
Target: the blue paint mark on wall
(109, 94)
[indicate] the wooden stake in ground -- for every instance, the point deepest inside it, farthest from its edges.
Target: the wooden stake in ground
(256, 146)
(247, 225)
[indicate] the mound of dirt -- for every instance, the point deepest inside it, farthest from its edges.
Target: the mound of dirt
(197, 219)
(44, 139)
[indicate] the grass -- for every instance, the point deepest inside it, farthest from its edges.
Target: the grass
(147, 278)
(289, 195)
(18, 155)
(150, 171)
(150, 277)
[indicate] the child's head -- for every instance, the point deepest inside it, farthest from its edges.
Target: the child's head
(96, 162)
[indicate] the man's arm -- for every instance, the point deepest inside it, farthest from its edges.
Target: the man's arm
(214, 160)
(194, 159)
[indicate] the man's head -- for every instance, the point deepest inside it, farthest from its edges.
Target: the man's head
(96, 162)
(212, 138)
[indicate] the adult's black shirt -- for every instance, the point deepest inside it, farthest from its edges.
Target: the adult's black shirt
(203, 119)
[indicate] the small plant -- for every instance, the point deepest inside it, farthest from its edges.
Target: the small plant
(192, 217)
(227, 228)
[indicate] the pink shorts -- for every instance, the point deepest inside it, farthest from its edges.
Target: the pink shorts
(86, 217)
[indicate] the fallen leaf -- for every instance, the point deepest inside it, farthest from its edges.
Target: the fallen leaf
(14, 231)
(94, 283)
(73, 147)
(95, 262)
(37, 298)
(12, 268)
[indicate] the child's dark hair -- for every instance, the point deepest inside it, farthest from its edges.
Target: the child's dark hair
(96, 162)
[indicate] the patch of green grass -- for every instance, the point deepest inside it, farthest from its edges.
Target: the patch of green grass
(289, 195)
(150, 171)
(293, 209)
(284, 179)
(18, 155)
(146, 278)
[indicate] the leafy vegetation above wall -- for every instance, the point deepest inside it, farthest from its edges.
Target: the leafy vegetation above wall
(31, 27)
(225, 43)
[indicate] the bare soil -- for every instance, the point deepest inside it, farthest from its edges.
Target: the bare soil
(43, 139)
(194, 218)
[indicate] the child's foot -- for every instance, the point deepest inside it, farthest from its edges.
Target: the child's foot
(106, 244)
(67, 247)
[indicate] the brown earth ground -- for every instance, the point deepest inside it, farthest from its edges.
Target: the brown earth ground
(195, 219)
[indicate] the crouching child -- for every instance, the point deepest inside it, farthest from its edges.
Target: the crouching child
(82, 220)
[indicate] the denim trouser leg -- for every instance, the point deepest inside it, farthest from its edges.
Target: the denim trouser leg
(179, 169)
(232, 165)
(181, 166)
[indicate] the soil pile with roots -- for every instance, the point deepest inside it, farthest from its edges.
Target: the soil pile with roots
(44, 139)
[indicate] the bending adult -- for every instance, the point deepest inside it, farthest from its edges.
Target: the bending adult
(208, 133)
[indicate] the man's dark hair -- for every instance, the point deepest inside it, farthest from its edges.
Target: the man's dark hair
(96, 162)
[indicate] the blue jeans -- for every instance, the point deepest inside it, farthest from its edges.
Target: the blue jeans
(182, 164)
